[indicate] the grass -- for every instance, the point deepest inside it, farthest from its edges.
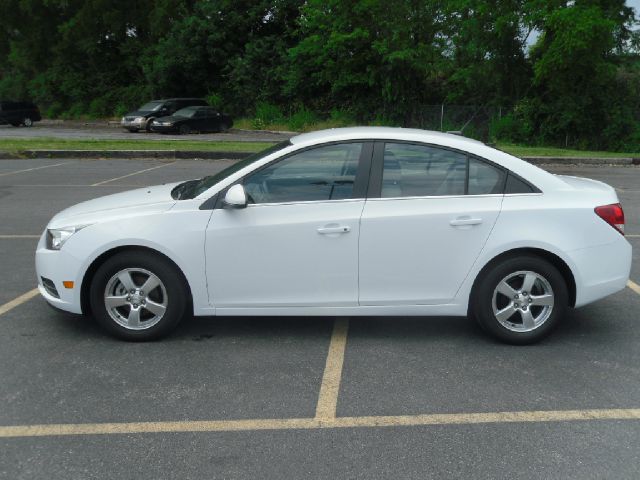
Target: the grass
(17, 144)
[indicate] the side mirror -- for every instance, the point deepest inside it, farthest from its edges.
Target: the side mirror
(236, 197)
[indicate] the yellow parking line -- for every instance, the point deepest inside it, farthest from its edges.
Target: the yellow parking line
(18, 301)
(315, 423)
(31, 169)
(131, 174)
(328, 398)
(634, 286)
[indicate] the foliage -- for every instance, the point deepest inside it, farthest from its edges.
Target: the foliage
(570, 67)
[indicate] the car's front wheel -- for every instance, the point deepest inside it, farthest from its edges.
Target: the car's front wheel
(27, 122)
(138, 296)
(184, 129)
(520, 299)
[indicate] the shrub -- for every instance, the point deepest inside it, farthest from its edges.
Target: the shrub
(302, 119)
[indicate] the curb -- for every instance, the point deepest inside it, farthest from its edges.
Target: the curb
(225, 155)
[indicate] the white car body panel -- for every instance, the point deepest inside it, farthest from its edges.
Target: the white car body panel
(410, 254)
(271, 260)
(274, 256)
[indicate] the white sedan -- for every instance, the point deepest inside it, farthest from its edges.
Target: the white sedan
(355, 221)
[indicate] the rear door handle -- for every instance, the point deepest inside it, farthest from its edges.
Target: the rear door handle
(336, 229)
(463, 221)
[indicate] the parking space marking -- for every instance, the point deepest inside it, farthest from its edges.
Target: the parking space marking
(632, 236)
(330, 387)
(634, 286)
(18, 301)
(314, 423)
(131, 174)
(32, 169)
(8, 237)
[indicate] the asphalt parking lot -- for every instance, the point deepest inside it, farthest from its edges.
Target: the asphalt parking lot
(74, 130)
(301, 397)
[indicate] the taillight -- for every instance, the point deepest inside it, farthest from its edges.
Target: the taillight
(613, 215)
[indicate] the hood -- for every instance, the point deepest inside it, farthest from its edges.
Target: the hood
(131, 203)
(139, 113)
(171, 118)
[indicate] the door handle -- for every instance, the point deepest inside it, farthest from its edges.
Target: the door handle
(464, 221)
(336, 229)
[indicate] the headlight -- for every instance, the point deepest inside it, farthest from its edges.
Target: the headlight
(56, 237)
(139, 120)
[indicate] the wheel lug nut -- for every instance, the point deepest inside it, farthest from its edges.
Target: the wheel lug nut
(135, 305)
(141, 292)
(128, 299)
(132, 292)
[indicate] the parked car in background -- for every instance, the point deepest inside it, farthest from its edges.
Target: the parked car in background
(193, 119)
(355, 221)
(19, 113)
(142, 118)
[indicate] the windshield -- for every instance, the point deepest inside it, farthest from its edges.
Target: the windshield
(193, 188)
(187, 112)
(151, 106)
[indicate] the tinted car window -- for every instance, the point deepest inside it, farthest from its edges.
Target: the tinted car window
(484, 178)
(515, 185)
(324, 173)
(418, 170)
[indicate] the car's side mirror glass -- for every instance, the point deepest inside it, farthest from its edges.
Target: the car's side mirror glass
(236, 197)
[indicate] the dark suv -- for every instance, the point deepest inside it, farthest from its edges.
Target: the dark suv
(142, 118)
(19, 113)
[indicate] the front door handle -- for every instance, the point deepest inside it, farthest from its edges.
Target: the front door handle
(464, 221)
(334, 229)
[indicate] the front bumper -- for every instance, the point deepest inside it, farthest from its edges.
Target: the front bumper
(133, 125)
(163, 128)
(59, 266)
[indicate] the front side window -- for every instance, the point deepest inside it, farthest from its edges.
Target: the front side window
(318, 174)
(421, 171)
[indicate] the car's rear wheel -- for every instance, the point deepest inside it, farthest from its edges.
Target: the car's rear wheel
(138, 296)
(184, 129)
(520, 300)
(27, 122)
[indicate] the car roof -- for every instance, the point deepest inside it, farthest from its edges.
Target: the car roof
(375, 133)
(174, 99)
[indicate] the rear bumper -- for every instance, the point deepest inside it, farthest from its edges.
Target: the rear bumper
(601, 271)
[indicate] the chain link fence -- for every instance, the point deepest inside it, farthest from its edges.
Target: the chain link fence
(469, 120)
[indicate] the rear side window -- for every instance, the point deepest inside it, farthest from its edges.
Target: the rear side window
(419, 171)
(319, 174)
(484, 178)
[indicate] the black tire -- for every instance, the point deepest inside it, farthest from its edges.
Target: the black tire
(147, 126)
(16, 124)
(184, 129)
(27, 122)
(224, 126)
(172, 290)
(512, 330)
(133, 130)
